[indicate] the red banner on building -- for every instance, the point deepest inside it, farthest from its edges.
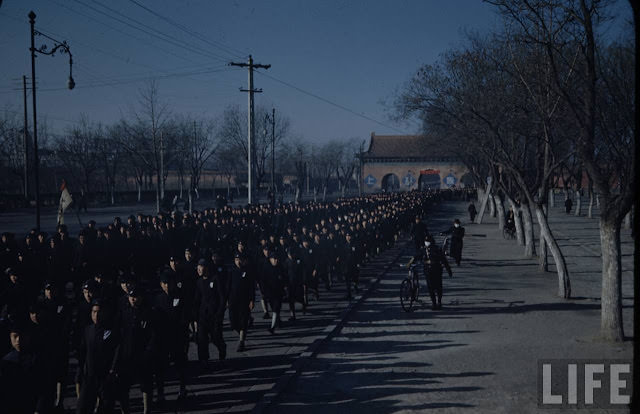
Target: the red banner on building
(429, 172)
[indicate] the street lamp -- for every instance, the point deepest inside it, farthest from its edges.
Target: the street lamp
(63, 47)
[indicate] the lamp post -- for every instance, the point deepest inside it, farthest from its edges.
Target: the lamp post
(63, 47)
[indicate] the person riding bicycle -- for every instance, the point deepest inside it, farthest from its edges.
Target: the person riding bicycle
(433, 259)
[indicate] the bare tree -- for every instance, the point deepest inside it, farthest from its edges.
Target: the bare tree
(145, 138)
(77, 150)
(568, 32)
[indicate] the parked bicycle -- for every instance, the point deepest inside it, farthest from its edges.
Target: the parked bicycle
(409, 289)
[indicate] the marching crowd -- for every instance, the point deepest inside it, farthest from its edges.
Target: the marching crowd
(126, 300)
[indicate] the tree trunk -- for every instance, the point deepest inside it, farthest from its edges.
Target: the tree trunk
(324, 193)
(139, 185)
(483, 205)
(627, 220)
(297, 198)
(113, 191)
(529, 239)
(517, 219)
(578, 203)
(543, 257)
(564, 284)
(181, 185)
(500, 208)
(158, 192)
(611, 322)
(598, 200)
(590, 211)
(190, 201)
(552, 198)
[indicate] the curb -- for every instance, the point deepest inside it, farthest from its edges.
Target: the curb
(271, 396)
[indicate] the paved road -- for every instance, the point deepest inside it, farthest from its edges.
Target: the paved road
(478, 354)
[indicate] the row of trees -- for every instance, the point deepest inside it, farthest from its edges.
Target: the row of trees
(142, 150)
(547, 96)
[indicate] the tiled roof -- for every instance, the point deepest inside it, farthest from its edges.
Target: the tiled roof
(404, 146)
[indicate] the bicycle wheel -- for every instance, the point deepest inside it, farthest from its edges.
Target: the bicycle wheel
(505, 233)
(406, 298)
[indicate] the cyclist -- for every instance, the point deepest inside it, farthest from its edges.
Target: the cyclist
(457, 234)
(433, 260)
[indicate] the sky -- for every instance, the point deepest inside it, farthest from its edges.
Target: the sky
(335, 64)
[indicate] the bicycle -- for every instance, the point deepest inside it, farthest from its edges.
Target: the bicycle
(509, 233)
(409, 289)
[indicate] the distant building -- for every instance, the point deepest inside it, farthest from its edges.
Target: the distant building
(410, 162)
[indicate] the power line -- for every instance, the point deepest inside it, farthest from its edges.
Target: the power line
(164, 37)
(214, 43)
(337, 105)
(116, 82)
(123, 32)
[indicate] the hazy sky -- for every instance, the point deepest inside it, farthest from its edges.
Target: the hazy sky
(354, 54)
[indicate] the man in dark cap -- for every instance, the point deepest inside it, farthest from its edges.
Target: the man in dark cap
(457, 234)
(97, 359)
(295, 291)
(173, 340)
(58, 316)
(274, 279)
(241, 297)
(82, 320)
(433, 261)
(14, 298)
(137, 349)
(209, 312)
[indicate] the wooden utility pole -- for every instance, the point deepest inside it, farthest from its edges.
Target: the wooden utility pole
(273, 151)
(251, 124)
(25, 141)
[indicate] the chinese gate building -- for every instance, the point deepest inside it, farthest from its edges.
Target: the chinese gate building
(410, 162)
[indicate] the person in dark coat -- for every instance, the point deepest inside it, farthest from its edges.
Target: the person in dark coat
(418, 232)
(433, 260)
(241, 297)
(17, 370)
(82, 320)
(456, 233)
(308, 257)
(274, 278)
(138, 342)
(173, 332)
(97, 358)
(472, 211)
(568, 204)
(350, 259)
(295, 291)
(209, 313)
(58, 316)
(15, 299)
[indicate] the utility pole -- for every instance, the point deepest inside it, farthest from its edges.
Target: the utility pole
(251, 125)
(360, 177)
(25, 160)
(273, 149)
